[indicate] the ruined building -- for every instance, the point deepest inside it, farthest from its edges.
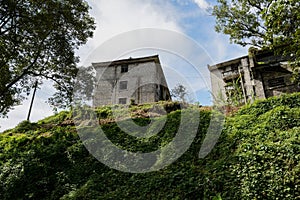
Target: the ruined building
(259, 75)
(138, 80)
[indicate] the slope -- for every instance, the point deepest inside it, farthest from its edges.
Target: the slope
(256, 157)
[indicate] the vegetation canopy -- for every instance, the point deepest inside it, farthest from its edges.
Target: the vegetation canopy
(38, 40)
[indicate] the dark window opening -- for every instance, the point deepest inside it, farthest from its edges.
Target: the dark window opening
(124, 68)
(276, 82)
(123, 85)
(235, 67)
(122, 100)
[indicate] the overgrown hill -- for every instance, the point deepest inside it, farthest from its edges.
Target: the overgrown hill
(257, 157)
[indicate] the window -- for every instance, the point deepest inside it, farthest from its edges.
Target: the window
(235, 67)
(124, 68)
(123, 85)
(276, 82)
(122, 100)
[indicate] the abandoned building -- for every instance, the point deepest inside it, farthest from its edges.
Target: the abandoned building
(133, 80)
(258, 75)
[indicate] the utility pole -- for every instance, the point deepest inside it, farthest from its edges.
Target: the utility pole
(31, 104)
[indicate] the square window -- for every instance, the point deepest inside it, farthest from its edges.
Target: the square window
(122, 100)
(124, 68)
(123, 85)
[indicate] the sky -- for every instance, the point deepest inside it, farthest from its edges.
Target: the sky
(181, 32)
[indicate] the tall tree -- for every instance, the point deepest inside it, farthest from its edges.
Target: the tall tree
(38, 39)
(273, 24)
(179, 92)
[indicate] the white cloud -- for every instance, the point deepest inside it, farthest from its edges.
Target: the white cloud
(203, 4)
(119, 16)
(223, 50)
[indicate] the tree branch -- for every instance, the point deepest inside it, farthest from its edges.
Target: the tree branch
(25, 72)
(254, 5)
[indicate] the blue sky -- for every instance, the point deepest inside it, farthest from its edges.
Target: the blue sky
(189, 18)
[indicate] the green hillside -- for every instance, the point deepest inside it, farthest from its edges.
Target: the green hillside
(256, 157)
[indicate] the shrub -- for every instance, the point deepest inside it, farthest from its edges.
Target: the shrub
(25, 126)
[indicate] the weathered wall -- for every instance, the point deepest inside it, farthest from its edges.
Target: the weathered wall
(262, 77)
(217, 85)
(277, 80)
(162, 90)
(143, 83)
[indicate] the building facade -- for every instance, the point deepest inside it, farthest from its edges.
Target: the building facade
(138, 80)
(258, 75)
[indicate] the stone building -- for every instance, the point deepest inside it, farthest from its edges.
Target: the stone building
(260, 75)
(138, 80)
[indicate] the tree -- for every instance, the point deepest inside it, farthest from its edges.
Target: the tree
(179, 92)
(267, 24)
(38, 39)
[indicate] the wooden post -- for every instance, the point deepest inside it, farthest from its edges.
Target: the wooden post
(31, 103)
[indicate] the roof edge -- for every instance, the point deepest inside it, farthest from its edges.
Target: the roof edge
(226, 63)
(130, 60)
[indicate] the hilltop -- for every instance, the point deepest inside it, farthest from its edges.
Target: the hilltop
(256, 157)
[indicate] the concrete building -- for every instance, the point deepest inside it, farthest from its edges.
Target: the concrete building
(135, 79)
(259, 75)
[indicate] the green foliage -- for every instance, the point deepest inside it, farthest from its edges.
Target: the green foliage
(258, 151)
(218, 197)
(38, 40)
(234, 93)
(119, 112)
(57, 118)
(104, 112)
(256, 157)
(262, 106)
(258, 23)
(25, 126)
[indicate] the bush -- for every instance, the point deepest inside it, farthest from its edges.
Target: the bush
(25, 126)
(258, 153)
